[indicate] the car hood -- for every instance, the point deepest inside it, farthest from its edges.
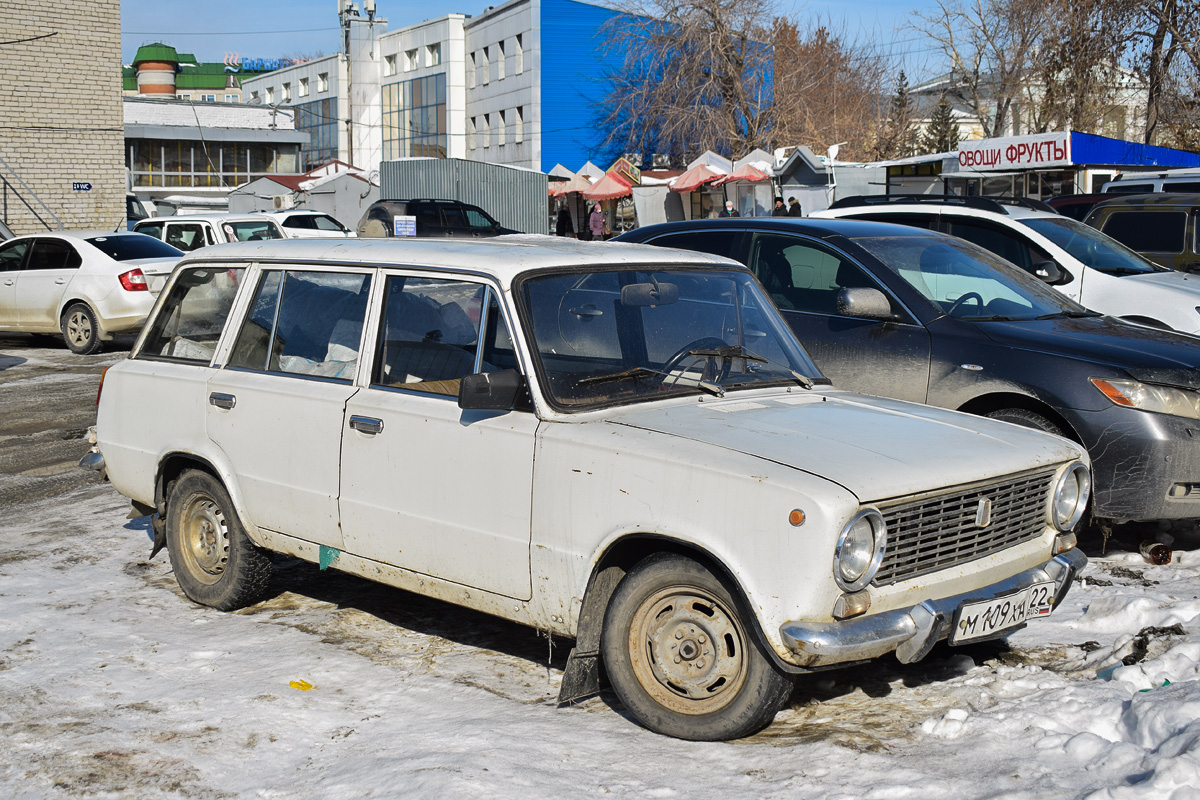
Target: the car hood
(1147, 354)
(873, 447)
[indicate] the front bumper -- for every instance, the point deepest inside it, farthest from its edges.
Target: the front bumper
(912, 632)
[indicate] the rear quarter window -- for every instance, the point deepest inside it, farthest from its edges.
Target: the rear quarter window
(190, 320)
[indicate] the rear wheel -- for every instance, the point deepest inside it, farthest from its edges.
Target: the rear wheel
(79, 329)
(681, 658)
(214, 561)
(1027, 419)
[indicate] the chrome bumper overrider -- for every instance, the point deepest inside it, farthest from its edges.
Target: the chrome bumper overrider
(912, 632)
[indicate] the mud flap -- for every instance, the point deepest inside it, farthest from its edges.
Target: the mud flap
(581, 677)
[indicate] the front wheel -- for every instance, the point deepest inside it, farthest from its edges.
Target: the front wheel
(79, 329)
(214, 561)
(681, 658)
(1027, 419)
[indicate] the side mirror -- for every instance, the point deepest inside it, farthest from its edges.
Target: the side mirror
(864, 302)
(1050, 273)
(490, 391)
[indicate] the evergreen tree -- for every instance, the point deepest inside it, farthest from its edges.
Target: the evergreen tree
(942, 134)
(898, 140)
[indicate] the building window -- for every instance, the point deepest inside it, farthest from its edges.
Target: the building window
(389, 65)
(485, 132)
(186, 164)
(323, 79)
(485, 68)
(410, 60)
(184, 96)
(414, 118)
(285, 96)
(471, 73)
(519, 124)
(254, 96)
(471, 133)
(500, 124)
(304, 87)
(208, 98)
(270, 94)
(499, 61)
(318, 119)
(518, 56)
(231, 98)
(433, 55)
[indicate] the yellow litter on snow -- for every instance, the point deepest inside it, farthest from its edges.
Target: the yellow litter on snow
(302, 685)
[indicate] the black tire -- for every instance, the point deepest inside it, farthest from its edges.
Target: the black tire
(79, 329)
(1027, 419)
(214, 561)
(657, 642)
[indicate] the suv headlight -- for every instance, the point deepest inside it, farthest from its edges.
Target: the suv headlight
(859, 550)
(1148, 397)
(1070, 498)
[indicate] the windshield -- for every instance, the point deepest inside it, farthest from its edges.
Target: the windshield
(616, 337)
(965, 281)
(134, 246)
(1091, 247)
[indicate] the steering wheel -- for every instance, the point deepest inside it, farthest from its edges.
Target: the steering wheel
(968, 296)
(710, 373)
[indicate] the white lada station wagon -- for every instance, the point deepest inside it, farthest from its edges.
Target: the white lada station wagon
(620, 444)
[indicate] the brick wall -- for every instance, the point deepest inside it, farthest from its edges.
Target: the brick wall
(60, 112)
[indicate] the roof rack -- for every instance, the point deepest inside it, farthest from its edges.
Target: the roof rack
(993, 204)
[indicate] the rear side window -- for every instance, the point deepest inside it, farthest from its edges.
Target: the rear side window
(1129, 188)
(185, 235)
(53, 254)
(191, 318)
(304, 323)
(1181, 186)
(719, 243)
(127, 248)
(154, 229)
(1148, 231)
(313, 222)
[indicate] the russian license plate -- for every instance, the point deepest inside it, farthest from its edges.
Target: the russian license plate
(990, 617)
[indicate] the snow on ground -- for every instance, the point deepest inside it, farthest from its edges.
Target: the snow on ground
(112, 685)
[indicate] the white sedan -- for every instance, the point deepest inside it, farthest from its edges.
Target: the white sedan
(86, 285)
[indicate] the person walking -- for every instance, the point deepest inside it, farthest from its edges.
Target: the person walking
(596, 223)
(779, 210)
(729, 210)
(564, 226)
(794, 209)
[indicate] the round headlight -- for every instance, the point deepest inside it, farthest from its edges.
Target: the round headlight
(859, 550)
(1071, 494)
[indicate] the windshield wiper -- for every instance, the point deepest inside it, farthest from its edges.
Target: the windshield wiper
(637, 373)
(1069, 314)
(737, 351)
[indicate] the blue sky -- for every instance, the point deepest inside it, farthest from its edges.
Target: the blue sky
(276, 28)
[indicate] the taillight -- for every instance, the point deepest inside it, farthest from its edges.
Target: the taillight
(100, 388)
(133, 281)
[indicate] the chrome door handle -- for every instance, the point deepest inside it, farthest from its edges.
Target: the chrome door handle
(367, 425)
(225, 401)
(60, 281)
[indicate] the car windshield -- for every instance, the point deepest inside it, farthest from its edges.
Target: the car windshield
(1091, 247)
(134, 246)
(620, 336)
(965, 281)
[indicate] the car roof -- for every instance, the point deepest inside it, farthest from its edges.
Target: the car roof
(223, 217)
(501, 257)
(79, 236)
(1151, 199)
(813, 226)
(1010, 212)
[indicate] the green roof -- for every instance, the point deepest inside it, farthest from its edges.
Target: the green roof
(162, 52)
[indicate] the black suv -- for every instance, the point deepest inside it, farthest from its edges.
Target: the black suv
(432, 218)
(918, 315)
(1164, 227)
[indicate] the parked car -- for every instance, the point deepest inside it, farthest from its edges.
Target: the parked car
(192, 231)
(921, 316)
(1077, 260)
(301, 223)
(1076, 206)
(86, 285)
(1164, 227)
(1172, 180)
(386, 218)
(134, 210)
(623, 445)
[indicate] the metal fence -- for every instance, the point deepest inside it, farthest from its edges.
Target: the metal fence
(517, 198)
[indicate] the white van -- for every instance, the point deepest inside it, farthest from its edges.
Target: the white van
(1172, 180)
(192, 231)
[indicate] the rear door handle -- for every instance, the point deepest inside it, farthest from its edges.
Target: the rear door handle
(220, 400)
(60, 281)
(367, 425)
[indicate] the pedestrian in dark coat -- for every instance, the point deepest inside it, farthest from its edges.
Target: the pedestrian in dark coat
(779, 210)
(794, 209)
(729, 210)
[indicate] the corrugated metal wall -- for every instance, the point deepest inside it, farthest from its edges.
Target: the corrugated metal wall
(516, 198)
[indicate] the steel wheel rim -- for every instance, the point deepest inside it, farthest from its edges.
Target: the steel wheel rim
(79, 328)
(688, 650)
(204, 539)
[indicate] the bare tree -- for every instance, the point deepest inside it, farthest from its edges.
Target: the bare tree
(828, 91)
(990, 45)
(695, 74)
(1162, 31)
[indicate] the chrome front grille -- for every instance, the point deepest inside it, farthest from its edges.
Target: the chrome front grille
(935, 531)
